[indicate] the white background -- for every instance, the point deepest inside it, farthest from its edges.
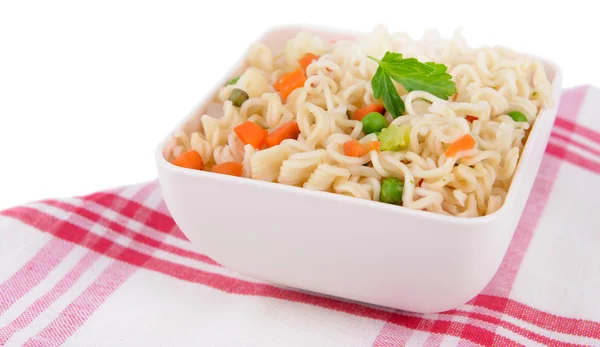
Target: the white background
(87, 89)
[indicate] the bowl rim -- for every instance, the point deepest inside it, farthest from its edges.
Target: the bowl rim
(511, 194)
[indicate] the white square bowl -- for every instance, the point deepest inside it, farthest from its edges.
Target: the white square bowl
(343, 246)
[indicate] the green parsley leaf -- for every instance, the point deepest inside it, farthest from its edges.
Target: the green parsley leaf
(412, 75)
(384, 88)
(533, 94)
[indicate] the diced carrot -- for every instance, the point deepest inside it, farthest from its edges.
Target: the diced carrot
(289, 130)
(307, 59)
(465, 143)
(251, 133)
(373, 145)
(190, 160)
(289, 82)
(353, 148)
(470, 118)
(362, 112)
(229, 168)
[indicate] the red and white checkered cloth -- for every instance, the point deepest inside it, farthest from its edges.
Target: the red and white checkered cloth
(113, 269)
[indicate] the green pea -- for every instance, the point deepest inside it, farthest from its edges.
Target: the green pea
(391, 191)
(373, 122)
(234, 81)
(238, 97)
(517, 116)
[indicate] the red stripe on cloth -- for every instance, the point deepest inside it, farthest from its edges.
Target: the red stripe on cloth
(448, 327)
(78, 311)
(136, 236)
(35, 270)
(434, 340)
(575, 143)
(539, 318)
(490, 322)
(232, 285)
(484, 336)
(444, 327)
(573, 158)
(69, 279)
(492, 338)
(43, 302)
(465, 343)
(480, 331)
(578, 129)
(135, 210)
(397, 336)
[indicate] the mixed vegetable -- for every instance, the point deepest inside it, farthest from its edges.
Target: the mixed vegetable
(391, 191)
(392, 69)
(238, 97)
(394, 138)
(289, 130)
(189, 159)
(517, 116)
(373, 123)
(354, 148)
(290, 82)
(228, 168)
(362, 112)
(252, 134)
(306, 60)
(465, 143)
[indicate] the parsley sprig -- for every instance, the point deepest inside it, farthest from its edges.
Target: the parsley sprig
(412, 75)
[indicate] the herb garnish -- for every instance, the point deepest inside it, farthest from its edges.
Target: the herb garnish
(412, 75)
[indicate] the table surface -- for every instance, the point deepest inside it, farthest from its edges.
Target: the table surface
(87, 90)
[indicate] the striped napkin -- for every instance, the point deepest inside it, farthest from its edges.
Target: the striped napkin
(113, 269)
